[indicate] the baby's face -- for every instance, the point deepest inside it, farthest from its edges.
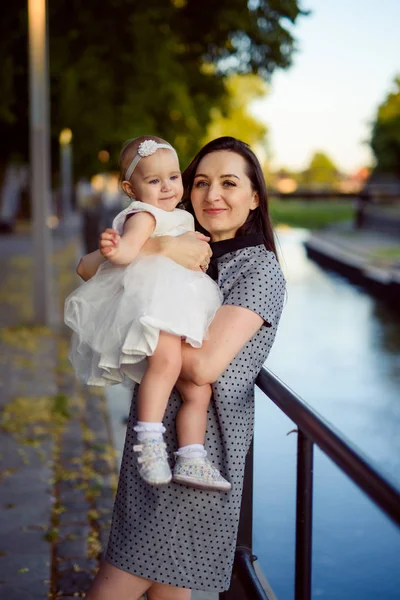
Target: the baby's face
(157, 180)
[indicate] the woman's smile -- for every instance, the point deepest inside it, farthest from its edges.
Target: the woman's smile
(214, 211)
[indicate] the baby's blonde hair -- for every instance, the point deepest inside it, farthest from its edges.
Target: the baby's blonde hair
(129, 151)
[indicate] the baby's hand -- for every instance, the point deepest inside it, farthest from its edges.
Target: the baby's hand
(109, 242)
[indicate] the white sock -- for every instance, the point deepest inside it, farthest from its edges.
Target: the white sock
(192, 451)
(146, 430)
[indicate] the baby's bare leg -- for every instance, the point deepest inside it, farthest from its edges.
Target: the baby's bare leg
(161, 374)
(191, 420)
(154, 391)
(192, 466)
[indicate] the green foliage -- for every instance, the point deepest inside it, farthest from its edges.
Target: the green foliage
(233, 117)
(60, 406)
(385, 139)
(321, 171)
(122, 68)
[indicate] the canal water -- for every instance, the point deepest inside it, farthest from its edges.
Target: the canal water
(339, 349)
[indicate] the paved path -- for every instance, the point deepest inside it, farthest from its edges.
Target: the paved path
(57, 465)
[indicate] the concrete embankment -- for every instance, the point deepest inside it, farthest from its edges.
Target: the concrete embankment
(369, 259)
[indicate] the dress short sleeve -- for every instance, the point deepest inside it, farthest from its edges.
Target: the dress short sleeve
(252, 278)
(134, 207)
(173, 222)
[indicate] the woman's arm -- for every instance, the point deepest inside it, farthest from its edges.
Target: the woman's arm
(254, 293)
(230, 330)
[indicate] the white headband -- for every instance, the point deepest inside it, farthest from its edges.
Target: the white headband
(146, 148)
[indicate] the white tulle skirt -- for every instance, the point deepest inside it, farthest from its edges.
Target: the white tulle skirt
(117, 316)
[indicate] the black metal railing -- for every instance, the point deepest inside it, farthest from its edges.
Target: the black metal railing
(311, 429)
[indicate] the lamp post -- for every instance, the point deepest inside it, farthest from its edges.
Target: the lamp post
(40, 162)
(66, 172)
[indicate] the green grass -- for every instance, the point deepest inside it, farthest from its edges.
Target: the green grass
(311, 214)
(388, 253)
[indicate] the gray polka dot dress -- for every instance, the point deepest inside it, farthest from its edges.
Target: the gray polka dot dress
(179, 535)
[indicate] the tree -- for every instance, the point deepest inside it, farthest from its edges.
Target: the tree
(121, 68)
(321, 171)
(385, 139)
(233, 116)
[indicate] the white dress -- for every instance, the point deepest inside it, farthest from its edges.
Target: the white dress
(117, 315)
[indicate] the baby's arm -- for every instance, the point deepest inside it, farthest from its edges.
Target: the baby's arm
(89, 264)
(137, 230)
(189, 250)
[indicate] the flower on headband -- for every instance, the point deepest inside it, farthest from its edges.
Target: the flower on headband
(147, 148)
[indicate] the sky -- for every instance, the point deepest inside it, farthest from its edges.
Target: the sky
(348, 56)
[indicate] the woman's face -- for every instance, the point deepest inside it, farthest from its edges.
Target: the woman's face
(222, 195)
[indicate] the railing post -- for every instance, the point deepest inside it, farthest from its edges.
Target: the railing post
(245, 531)
(245, 584)
(304, 498)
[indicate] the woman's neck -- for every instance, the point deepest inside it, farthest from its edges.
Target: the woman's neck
(221, 238)
(232, 244)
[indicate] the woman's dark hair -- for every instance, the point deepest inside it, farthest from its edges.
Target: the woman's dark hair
(258, 220)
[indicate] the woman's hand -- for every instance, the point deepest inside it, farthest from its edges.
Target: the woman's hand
(191, 250)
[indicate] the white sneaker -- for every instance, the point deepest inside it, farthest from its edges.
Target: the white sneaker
(153, 462)
(199, 473)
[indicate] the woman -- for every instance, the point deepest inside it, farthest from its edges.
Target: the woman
(167, 541)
